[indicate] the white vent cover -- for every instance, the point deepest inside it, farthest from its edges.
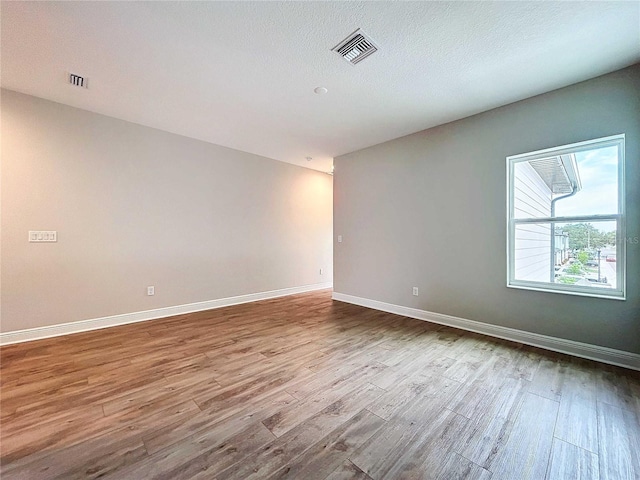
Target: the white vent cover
(356, 47)
(78, 80)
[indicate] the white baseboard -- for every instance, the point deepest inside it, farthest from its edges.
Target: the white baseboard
(577, 349)
(38, 333)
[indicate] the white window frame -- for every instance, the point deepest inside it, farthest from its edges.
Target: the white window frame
(619, 293)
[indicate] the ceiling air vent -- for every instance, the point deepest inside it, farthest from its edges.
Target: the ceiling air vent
(78, 81)
(356, 47)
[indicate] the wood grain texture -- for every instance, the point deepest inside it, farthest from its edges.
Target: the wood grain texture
(331, 451)
(348, 471)
(569, 462)
(619, 434)
(527, 442)
(306, 387)
(578, 421)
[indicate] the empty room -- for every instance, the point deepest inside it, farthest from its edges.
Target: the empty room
(320, 240)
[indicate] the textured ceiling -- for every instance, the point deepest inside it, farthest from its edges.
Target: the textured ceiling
(242, 74)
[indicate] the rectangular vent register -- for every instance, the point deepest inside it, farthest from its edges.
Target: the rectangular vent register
(356, 47)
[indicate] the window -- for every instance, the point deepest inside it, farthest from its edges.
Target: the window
(566, 224)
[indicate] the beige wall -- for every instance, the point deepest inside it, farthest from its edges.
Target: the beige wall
(135, 206)
(429, 210)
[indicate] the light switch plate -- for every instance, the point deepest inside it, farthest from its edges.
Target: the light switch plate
(37, 236)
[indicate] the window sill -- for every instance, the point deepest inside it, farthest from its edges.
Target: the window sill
(598, 293)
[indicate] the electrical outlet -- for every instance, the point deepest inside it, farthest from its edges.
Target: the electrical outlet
(415, 291)
(151, 290)
(320, 271)
(339, 238)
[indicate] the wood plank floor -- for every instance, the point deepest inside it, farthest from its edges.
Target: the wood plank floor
(305, 387)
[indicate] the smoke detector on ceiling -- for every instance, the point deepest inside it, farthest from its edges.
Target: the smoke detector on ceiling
(356, 47)
(77, 80)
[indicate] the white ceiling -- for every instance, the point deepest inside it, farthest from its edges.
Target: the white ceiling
(242, 74)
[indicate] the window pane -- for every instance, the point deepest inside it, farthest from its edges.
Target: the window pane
(583, 254)
(598, 170)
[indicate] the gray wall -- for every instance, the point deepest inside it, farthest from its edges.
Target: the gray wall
(429, 210)
(135, 206)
